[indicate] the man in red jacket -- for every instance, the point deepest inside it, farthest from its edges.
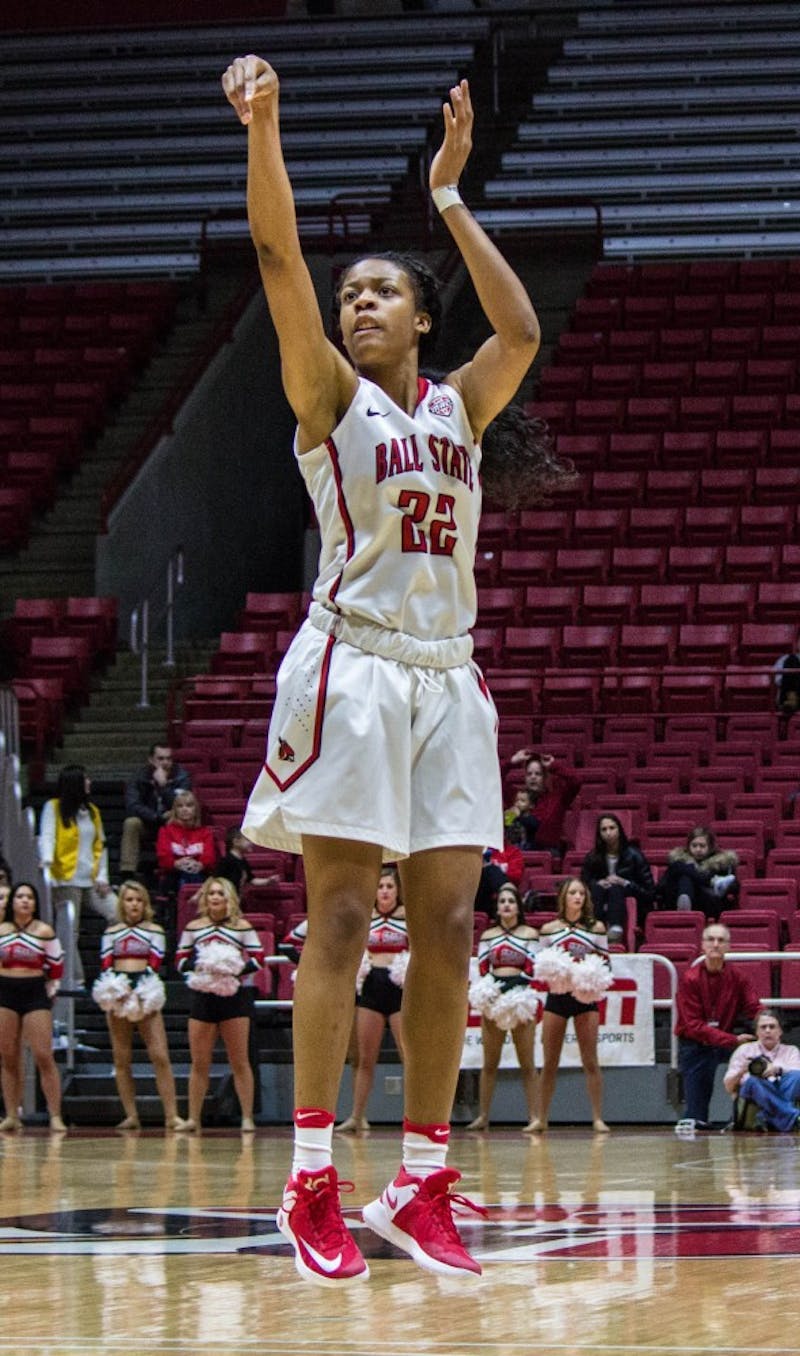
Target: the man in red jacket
(711, 996)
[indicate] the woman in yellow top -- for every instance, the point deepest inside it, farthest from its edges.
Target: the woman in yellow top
(72, 846)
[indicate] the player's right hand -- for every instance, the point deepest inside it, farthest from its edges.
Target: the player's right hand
(248, 82)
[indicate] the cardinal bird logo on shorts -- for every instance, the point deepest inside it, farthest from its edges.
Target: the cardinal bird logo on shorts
(285, 751)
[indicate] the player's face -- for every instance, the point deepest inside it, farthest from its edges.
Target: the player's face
(378, 313)
(132, 907)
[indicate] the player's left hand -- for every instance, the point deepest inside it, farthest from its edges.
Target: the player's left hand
(449, 161)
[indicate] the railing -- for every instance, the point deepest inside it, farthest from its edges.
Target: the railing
(140, 627)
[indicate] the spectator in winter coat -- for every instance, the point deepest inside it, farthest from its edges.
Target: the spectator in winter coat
(616, 870)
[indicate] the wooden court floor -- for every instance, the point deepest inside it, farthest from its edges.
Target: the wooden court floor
(638, 1242)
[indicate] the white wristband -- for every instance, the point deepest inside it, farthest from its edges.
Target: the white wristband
(445, 197)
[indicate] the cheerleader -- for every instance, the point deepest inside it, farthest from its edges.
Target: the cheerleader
(576, 932)
(505, 953)
(218, 952)
(132, 995)
(380, 995)
(31, 965)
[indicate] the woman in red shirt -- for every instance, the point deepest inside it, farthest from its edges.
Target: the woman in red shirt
(185, 848)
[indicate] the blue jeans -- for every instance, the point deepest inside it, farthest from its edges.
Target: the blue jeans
(779, 1100)
(698, 1065)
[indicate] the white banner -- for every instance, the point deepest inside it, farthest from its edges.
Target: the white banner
(626, 1034)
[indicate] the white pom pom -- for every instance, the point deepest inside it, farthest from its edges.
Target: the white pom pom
(554, 968)
(515, 1007)
(398, 967)
(591, 978)
(130, 1008)
(363, 970)
(482, 995)
(110, 989)
(151, 993)
(220, 958)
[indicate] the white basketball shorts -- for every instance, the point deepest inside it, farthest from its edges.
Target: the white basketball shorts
(378, 749)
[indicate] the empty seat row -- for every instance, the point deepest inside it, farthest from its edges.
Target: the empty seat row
(686, 309)
(678, 343)
(632, 646)
(639, 604)
(656, 278)
(666, 452)
(693, 524)
(643, 413)
(702, 376)
(643, 565)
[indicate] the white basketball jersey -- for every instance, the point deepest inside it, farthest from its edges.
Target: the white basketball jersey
(398, 500)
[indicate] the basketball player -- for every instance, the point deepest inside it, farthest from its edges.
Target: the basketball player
(382, 744)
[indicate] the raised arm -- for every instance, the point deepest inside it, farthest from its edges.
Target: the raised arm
(318, 381)
(493, 376)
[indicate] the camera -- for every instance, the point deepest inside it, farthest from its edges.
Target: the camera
(758, 1066)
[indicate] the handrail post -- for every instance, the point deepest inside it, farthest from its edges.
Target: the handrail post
(143, 702)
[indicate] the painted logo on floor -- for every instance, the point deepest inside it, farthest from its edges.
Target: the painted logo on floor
(509, 1234)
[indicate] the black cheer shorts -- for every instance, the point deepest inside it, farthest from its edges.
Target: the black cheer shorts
(215, 1008)
(379, 993)
(24, 995)
(564, 1005)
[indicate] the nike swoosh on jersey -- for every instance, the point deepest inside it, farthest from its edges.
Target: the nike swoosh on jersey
(329, 1264)
(378, 414)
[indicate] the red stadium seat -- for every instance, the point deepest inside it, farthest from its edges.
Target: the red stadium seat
(740, 447)
(646, 645)
(655, 526)
(756, 563)
(710, 525)
(671, 489)
(608, 604)
(599, 527)
(588, 646)
(729, 604)
(551, 606)
(665, 604)
(694, 564)
(638, 564)
(685, 449)
(706, 645)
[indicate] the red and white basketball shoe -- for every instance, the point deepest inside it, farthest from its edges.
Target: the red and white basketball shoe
(416, 1214)
(311, 1218)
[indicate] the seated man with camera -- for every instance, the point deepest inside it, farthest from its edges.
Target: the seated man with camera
(767, 1073)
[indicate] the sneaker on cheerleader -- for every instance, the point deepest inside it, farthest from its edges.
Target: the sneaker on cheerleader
(311, 1218)
(416, 1214)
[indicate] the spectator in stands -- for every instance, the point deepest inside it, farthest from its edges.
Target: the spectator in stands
(551, 788)
(148, 801)
(505, 951)
(520, 812)
(219, 952)
(185, 849)
(234, 866)
(699, 876)
(767, 1073)
(134, 946)
(381, 993)
(72, 846)
(31, 965)
(787, 681)
(577, 933)
(500, 865)
(617, 870)
(712, 997)
(5, 886)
